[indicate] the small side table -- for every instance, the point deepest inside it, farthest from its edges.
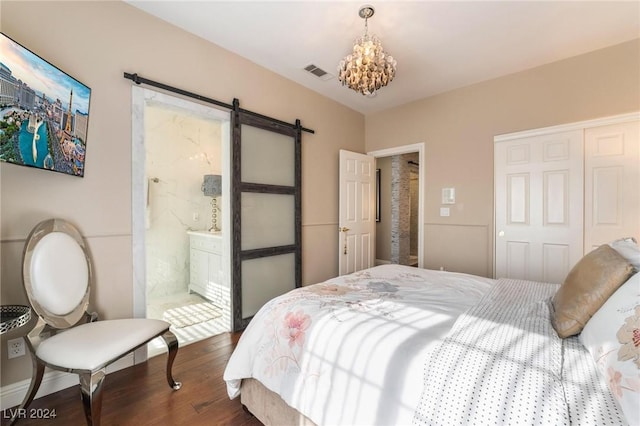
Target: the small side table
(13, 316)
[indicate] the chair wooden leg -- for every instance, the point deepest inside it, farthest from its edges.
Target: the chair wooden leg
(36, 379)
(172, 344)
(91, 388)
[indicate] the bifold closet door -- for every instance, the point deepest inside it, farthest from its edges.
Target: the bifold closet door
(538, 206)
(266, 213)
(612, 183)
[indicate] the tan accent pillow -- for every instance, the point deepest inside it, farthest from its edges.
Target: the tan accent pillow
(589, 284)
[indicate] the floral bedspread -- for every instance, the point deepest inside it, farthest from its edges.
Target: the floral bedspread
(351, 350)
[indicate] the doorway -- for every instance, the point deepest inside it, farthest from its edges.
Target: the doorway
(176, 143)
(400, 222)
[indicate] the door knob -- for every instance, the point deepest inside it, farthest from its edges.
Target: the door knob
(343, 229)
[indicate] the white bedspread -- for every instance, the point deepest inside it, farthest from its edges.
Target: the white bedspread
(351, 350)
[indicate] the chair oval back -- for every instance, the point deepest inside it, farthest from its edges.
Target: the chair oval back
(56, 273)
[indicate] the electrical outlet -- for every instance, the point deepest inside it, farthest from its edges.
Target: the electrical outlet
(16, 347)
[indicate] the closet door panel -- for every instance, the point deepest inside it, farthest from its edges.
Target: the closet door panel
(612, 183)
(538, 196)
(607, 188)
(556, 197)
(518, 259)
(518, 199)
(556, 262)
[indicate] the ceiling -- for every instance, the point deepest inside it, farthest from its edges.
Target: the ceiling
(439, 46)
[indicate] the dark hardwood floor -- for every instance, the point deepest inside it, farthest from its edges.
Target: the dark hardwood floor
(140, 395)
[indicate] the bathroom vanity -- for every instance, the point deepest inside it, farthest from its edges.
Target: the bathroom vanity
(206, 275)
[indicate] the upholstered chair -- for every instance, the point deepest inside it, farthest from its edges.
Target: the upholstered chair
(57, 277)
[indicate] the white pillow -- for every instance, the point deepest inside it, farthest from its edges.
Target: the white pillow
(628, 249)
(609, 337)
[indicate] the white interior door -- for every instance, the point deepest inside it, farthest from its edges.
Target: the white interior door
(539, 206)
(612, 183)
(357, 220)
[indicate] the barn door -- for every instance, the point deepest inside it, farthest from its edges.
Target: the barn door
(266, 212)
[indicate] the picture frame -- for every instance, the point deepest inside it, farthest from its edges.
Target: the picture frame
(44, 112)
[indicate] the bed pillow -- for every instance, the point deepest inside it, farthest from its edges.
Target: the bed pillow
(589, 284)
(612, 336)
(628, 248)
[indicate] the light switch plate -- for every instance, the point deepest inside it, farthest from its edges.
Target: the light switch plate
(448, 196)
(444, 211)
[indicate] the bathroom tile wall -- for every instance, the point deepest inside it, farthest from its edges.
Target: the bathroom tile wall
(180, 149)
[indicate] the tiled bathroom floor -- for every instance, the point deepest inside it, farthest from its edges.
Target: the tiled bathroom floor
(185, 335)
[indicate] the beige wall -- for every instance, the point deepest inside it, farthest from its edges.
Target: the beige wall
(96, 42)
(458, 127)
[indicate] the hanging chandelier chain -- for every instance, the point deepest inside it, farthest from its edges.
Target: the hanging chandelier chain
(366, 12)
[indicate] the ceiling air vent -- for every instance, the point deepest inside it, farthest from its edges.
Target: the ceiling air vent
(318, 72)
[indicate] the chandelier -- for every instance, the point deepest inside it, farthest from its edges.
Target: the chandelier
(369, 67)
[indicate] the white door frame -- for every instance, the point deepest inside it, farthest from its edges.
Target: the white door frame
(409, 149)
(142, 97)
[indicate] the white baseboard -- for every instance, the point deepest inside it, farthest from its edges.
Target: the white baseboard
(52, 381)
(382, 262)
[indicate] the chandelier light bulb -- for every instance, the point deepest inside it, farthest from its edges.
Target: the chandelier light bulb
(368, 67)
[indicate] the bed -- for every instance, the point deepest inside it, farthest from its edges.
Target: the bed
(396, 345)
